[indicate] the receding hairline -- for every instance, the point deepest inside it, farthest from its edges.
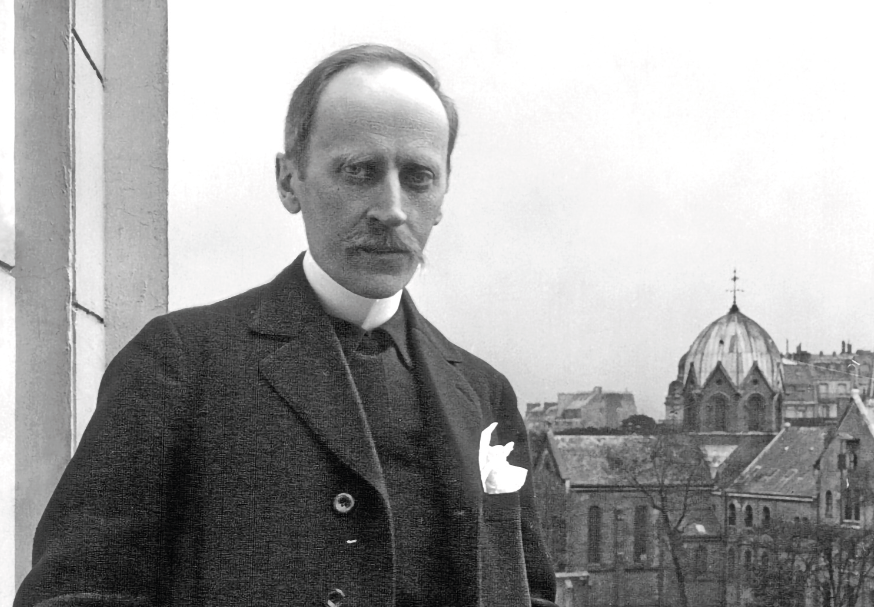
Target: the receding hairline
(432, 104)
(299, 122)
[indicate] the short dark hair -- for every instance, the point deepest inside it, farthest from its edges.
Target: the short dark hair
(302, 108)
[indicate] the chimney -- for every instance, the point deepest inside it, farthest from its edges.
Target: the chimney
(843, 347)
(597, 390)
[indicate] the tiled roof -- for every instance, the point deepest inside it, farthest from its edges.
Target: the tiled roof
(748, 447)
(582, 459)
(785, 467)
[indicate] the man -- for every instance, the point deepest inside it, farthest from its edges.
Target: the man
(314, 441)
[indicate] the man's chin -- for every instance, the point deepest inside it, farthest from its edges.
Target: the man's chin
(373, 284)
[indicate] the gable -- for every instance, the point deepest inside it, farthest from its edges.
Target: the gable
(757, 382)
(720, 380)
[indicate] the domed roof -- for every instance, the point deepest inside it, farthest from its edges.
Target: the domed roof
(736, 341)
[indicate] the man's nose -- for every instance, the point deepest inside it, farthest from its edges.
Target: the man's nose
(388, 203)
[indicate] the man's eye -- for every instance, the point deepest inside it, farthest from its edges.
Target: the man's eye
(420, 179)
(357, 171)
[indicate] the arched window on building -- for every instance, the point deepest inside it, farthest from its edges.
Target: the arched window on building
(690, 414)
(748, 516)
(748, 560)
(717, 408)
(641, 532)
(756, 413)
(766, 516)
(594, 534)
(829, 504)
(731, 565)
(732, 515)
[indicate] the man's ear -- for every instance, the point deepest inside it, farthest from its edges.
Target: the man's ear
(284, 183)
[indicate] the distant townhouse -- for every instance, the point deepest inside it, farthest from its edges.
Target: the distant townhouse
(575, 410)
(818, 387)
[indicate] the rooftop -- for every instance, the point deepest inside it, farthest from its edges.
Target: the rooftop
(583, 459)
(784, 467)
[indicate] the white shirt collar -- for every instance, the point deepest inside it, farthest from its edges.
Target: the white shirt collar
(342, 303)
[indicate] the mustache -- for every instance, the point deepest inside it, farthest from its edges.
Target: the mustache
(375, 235)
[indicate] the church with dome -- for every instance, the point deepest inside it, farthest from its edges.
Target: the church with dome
(785, 441)
(730, 380)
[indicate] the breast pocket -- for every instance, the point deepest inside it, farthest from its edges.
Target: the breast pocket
(501, 506)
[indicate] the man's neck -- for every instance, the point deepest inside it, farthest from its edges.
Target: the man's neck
(340, 302)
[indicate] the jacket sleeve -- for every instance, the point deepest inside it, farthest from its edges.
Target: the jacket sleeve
(541, 577)
(102, 538)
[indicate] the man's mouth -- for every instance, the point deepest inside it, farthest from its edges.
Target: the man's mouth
(377, 250)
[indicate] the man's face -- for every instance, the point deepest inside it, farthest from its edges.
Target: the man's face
(375, 177)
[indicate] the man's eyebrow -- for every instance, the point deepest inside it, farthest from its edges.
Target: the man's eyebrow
(423, 157)
(344, 157)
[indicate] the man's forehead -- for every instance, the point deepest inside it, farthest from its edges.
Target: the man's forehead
(380, 97)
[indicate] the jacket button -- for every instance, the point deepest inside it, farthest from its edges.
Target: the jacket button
(335, 597)
(343, 503)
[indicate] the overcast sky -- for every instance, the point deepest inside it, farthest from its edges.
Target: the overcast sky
(615, 163)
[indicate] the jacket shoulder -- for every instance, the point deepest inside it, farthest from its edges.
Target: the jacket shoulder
(240, 308)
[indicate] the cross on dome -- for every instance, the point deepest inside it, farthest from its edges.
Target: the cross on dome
(734, 290)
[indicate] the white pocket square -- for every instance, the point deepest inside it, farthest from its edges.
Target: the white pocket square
(498, 475)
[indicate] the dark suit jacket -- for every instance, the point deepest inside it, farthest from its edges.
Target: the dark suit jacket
(222, 435)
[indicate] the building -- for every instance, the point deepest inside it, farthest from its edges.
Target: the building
(577, 410)
(781, 483)
(814, 483)
(730, 380)
(83, 229)
(602, 531)
(818, 387)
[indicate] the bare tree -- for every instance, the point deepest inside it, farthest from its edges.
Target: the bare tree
(787, 564)
(846, 558)
(671, 472)
(831, 559)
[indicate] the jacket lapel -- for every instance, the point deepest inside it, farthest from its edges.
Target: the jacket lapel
(311, 374)
(457, 419)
